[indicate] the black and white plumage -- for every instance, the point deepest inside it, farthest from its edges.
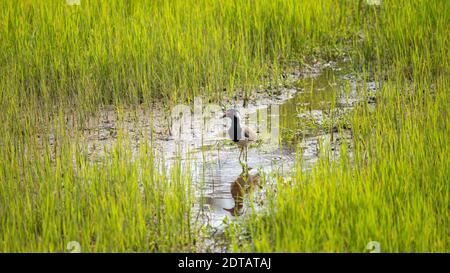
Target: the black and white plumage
(240, 134)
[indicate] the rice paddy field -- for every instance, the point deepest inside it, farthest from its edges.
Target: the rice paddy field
(86, 93)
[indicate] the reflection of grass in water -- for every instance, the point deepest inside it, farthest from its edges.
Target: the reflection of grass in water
(395, 190)
(60, 61)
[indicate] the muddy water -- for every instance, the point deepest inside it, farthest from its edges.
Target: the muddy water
(296, 119)
(300, 120)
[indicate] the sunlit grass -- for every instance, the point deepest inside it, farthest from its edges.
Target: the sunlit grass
(60, 63)
(395, 189)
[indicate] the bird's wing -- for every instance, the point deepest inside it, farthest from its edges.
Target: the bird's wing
(249, 134)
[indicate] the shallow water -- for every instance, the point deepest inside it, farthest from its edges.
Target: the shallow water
(297, 123)
(299, 120)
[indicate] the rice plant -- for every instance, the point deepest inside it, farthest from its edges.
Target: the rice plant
(61, 63)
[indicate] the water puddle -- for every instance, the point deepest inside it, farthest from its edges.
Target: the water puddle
(301, 118)
(303, 123)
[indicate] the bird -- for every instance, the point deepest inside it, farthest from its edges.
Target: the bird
(240, 134)
(243, 184)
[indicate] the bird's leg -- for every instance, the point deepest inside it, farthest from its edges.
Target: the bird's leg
(240, 161)
(245, 163)
(246, 159)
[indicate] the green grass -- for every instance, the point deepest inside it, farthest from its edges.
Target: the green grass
(135, 51)
(116, 205)
(60, 61)
(395, 189)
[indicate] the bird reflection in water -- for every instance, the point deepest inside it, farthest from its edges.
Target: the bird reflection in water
(244, 184)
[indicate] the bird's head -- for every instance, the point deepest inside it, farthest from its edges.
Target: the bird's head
(229, 113)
